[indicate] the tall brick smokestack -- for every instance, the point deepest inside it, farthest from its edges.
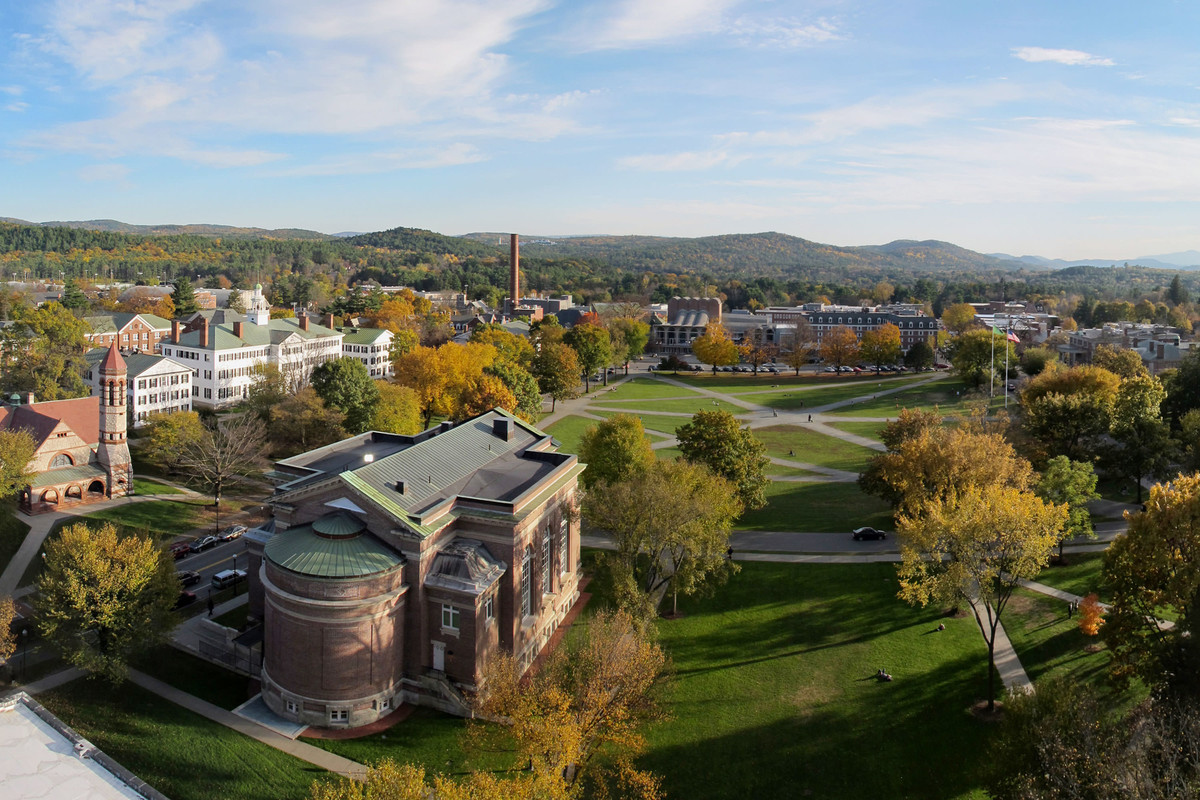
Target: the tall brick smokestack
(514, 278)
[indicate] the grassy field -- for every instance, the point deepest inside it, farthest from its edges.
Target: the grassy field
(165, 519)
(816, 507)
(732, 383)
(194, 675)
(684, 406)
(147, 486)
(569, 430)
(428, 737)
(640, 388)
(803, 444)
(1080, 575)
(948, 394)
(868, 429)
(773, 683)
(12, 533)
(778, 470)
(182, 754)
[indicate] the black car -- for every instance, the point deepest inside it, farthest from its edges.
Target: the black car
(868, 532)
(202, 543)
(188, 577)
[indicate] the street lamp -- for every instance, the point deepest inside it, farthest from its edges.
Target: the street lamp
(235, 580)
(24, 649)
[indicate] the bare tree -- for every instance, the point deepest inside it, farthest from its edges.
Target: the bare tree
(230, 446)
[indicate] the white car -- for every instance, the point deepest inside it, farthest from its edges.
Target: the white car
(231, 533)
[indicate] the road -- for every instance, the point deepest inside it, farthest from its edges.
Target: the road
(221, 556)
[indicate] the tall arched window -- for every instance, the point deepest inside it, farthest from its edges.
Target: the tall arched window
(546, 562)
(527, 583)
(61, 460)
(564, 530)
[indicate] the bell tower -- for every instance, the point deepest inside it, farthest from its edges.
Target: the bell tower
(113, 450)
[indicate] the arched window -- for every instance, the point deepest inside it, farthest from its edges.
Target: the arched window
(527, 583)
(61, 460)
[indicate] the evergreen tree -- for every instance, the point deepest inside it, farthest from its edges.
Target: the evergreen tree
(1177, 294)
(184, 297)
(74, 298)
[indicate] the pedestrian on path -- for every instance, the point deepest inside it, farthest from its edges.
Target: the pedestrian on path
(210, 605)
(810, 417)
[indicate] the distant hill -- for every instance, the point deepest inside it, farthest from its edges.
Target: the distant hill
(1174, 261)
(215, 231)
(423, 241)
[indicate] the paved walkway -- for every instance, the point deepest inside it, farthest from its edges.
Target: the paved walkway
(52, 681)
(304, 752)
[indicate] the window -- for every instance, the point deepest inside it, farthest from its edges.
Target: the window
(546, 570)
(292, 707)
(339, 715)
(489, 607)
(564, 531)
(449, 617)
(61, 460)
(527, 583)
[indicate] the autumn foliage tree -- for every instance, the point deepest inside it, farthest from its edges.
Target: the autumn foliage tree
(977, 545)
(839, 347)
(615, 450)
(881, 345)
(103, 597)
(1091, 615)
(714, 347)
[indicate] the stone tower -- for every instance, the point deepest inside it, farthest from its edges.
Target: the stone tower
(113, 450)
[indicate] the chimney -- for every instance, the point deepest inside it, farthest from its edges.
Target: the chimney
(328, 321)
(176, 330)
(204, 332)
(503, 428)
(303, 320)
(27, 399)
(400, 487)
(514, 261)
(1162, 349)
(238, 329)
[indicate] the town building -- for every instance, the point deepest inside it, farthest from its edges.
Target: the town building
(223, 355)
(371, 346)
(132, 333)
(156, 384)
(397, 566)
(685, 319)
(913, 323)
(81, 453)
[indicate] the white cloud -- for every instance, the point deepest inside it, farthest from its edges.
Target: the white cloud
(16, 107)
(784, 33)
(677, 162)
(15, 91)
(364, 68)
(1072, 58)
(451, 155)
(641, 22)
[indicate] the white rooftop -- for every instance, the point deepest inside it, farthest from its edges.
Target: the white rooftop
(42, 758)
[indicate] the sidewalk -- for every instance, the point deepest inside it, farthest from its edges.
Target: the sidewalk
(304, 752)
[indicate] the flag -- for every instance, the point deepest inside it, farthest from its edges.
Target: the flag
(1012, 337)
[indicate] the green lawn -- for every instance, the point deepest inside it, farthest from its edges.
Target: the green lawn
(640, 388)
(773, 694)
(797, 399)
(868, 429)
(194, 675)
(569, 430)
(1080, 575)
(732, 383)
(798, 443)
(669, 453)
(782, 471)
(182, 754)
(147, 486)
(684, 406)
(806, 507)
(949, 395)
(165, 519)
(428, 737)
(12, 533)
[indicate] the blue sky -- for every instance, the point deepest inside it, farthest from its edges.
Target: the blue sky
(1066, 129)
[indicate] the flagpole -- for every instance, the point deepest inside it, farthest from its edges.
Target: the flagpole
(992, 365)
(1007, 333)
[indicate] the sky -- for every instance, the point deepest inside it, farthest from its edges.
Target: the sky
(1064, 129)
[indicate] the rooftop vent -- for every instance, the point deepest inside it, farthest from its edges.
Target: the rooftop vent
(503, 428)
(445, 426)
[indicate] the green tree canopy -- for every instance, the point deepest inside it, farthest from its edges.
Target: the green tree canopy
(1071, 483)
(345, 384)
(615, 450)
(398, 410)
(103, 597)
(42, 352)
(557, 370)
(184, 297)
(16, 451)
(592, 346)
(302, 422)
(717, 440)
(166, 436)
(978, 354)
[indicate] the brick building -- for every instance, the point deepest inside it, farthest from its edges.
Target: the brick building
(397, 565)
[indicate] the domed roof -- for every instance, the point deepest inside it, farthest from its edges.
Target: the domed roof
(335, 546)
(338, 526)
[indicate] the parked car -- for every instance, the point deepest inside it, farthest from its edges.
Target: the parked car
(228, 577)
(861, 534)
(231, 533)
(202, 543)
(185, 598)
(180, 549)
(188, 577)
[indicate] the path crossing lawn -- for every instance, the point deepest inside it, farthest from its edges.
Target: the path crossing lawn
(791, 472)
(1050, 644)
(796, 399)
(822, 507)
(684, 406)
(194, 675)
(773, 683)
(642, 388)
(183, 755)
(868, 429)
(742, 382)
(810, 447)
(950, 395)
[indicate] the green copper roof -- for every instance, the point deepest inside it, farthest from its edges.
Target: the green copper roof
(307, 552)
(338, 526)
(363, 335)
(82, 472)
